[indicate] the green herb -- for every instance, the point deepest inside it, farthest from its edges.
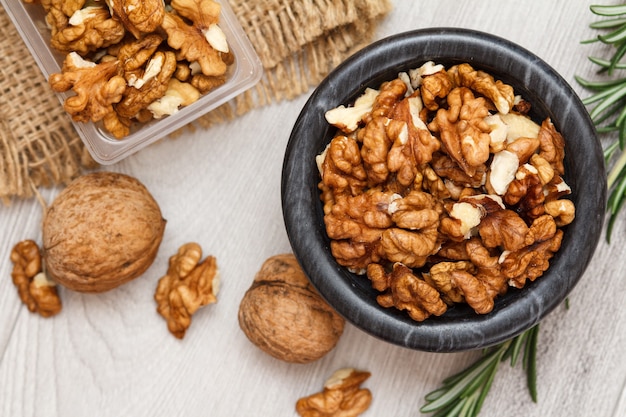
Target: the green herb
(463, 394)
(608, 101)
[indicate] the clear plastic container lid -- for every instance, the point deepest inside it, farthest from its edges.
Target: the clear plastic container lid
(244, 73)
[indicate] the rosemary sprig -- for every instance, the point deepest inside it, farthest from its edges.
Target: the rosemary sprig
(463, 394)
(608, 101)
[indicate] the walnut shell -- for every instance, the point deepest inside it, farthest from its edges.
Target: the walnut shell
(103, 230)
(285, 316)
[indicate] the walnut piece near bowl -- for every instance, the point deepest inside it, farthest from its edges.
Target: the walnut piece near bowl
(284, 315)
(103, 230)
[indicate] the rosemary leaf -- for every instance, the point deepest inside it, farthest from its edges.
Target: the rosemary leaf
(592, 40)
(463, 394)
(530, 359)
(609, 150)
(615, 95)
(615, 59)
(605, 64)
(615, 36)
(609, 115)
(607, 129)
(516, 347)
(616, 200)
(619, 120)
(612, 219)
(485, 390)
(617, 171)
(599, 85)
(603, 93)
(458, 391)
(610, 10)
(608, 23)
(451, 411)
(469, 407)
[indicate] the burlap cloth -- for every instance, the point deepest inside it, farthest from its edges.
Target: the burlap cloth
(298, 42)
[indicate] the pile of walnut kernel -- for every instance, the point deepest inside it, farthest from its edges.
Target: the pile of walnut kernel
(441, 189)
(132, 61)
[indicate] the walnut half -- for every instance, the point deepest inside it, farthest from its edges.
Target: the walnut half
(188, 285)
(138, 17)
(36, 291)
(342, 396)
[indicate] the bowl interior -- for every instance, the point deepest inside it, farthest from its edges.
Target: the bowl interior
(459, 328)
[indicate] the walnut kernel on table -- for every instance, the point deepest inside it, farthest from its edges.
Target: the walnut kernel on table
(342, 396)
(283, 315)
(103, 230)
(441, 189)
(190, 283)
(36, 291)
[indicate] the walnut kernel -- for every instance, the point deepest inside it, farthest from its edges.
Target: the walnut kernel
(342, 396)
(188, 285)
(36, 291)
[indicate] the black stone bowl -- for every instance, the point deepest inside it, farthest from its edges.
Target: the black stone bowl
(459, 328)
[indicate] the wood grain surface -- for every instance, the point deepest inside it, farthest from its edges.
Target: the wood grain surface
(111, 354)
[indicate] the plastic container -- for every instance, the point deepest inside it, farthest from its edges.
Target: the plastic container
(245, 72)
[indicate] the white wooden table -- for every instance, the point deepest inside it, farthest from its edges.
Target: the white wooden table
(111, 354)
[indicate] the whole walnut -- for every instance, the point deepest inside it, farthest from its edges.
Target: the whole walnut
(285, 316)
(103, 230)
